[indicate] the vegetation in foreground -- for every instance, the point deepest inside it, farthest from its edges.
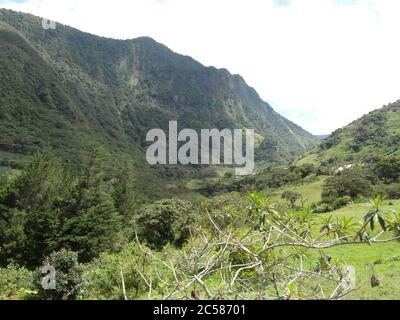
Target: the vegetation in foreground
(233, 246)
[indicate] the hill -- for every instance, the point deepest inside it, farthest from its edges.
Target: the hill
(375, 135)
(70, 91)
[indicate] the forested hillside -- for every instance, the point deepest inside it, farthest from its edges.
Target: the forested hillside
(71, 91)
(374, 135)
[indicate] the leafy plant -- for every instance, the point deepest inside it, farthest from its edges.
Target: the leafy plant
(68, 277)
(166, 221)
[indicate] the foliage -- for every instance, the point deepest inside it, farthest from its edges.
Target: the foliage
(166, 221)
(391, 191)
(264, 260)
(15, 283)
(30, 213)
(291, 197)
(103, 276)
(93, 223)
(305, 169)
(68, 277)
(272, 177)
(45, 209)
(351, 183)
(124, 194)
(388, 169)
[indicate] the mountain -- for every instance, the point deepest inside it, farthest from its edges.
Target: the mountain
(71, 91)
(376, 134)
(322, 136)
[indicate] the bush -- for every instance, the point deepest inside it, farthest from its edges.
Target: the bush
(291, 197)
(68, 277)
(323, 170)
(390, 191)
(306, 169)
(166, 221)
(341, 202)
(225, 211)
(351, 183)
(388, 169)
(103, 275)
(15, 283)
(324, 208)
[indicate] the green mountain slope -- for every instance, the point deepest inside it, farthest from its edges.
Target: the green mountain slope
(376, 134)
(71, 91)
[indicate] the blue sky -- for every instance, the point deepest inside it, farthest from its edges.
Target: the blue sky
(321, 63)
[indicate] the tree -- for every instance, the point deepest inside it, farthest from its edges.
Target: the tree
(305, 170)
(352, 182)
(388, 169)
(30, 209)
(166, 221)
(291, 197)
(124, 194)
(91, 223)
(12, 236)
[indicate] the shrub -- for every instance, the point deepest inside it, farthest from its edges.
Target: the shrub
(103, 278)
(352, 183)
(388, 169)
(225, 211)
(324, 208)
(291, 197)
(341, 202)
(390, 191)
(323, 170)
(306, 169)
(68, 277)
(166, 221)
(15, 283)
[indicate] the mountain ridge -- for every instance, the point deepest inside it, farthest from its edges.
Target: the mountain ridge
(373, 135)
(110, 91)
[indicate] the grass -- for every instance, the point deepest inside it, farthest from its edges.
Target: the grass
(310, 189)
(385, 257)
(308, 158)
(358, 210)
(387, 269)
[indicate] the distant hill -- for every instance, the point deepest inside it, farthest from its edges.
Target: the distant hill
(322, 136)
(376, 134)
(71, 90)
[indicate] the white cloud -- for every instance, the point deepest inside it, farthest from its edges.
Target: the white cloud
(322, 63)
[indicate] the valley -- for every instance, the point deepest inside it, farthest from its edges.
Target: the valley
(77, 192)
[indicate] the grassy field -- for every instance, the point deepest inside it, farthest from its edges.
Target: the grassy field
(310, 189)
(385, 257)
(381, 260)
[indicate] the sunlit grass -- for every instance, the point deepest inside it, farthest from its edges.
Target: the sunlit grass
(381, 260)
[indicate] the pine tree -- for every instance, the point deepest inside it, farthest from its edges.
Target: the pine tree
(30, 211)
(93, 226)
(124, 194)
